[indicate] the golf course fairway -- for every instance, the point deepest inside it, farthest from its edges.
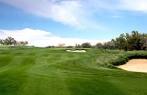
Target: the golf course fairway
(44, 71)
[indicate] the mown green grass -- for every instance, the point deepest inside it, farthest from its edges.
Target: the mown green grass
(36, 71)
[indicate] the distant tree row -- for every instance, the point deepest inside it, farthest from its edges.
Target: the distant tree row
(132, 41)
(125, 41)
(12, 42)
(84, 45)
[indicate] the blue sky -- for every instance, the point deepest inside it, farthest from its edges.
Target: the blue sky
(71, 21)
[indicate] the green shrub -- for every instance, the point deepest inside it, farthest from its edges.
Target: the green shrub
(122, 59)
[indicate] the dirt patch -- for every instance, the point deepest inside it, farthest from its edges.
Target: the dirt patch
(135, 65)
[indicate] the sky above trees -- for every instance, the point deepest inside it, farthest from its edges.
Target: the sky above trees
(70, 21)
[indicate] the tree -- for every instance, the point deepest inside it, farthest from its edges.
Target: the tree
(120, 42)
(23, 43)
(133, 41)
(109, 45)
(10, 41)
(86, 45)
(78, 46)
(145, 42)
(1, 42)
(99, 45)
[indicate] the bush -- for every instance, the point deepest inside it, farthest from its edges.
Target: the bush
(86, 45)
(122, 59)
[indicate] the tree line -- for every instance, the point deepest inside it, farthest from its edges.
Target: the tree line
(126, 41)
(12, 42)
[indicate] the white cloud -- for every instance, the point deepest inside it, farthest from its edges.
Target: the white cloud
(119, 5)
(133, 5)
(75, 13)
(72, 11)
(81, 14)
(42, 38)
(64, 11)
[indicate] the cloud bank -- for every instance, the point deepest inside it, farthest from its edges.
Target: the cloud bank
(42, 38)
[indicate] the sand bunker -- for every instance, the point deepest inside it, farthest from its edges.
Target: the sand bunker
(135, 65)
(76, 50)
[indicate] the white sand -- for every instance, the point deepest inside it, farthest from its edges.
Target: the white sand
(76, 50)
(135, 65)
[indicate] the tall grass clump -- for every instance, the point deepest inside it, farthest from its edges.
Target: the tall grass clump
(122, 59)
